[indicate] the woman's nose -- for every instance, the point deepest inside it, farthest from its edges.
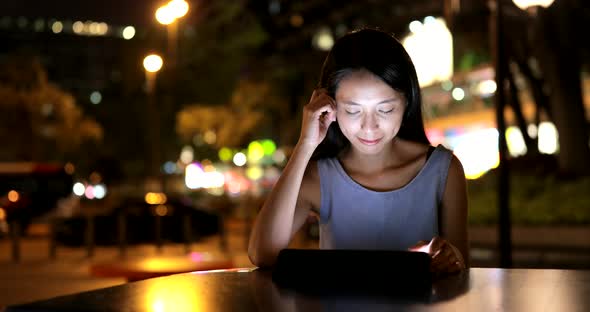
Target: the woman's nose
(369, 122)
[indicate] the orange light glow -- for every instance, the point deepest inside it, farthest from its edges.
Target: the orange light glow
(161, 210)
(13, 196)
(155, 198)
(69, 168)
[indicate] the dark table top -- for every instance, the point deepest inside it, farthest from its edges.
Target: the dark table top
(480, 289)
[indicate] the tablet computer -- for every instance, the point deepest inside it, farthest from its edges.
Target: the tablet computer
(371, 271)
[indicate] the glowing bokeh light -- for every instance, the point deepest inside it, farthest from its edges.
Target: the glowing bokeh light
(254, 173)
(548, 138)
(515, 141)
(255, 152)
(187, 154)
(225, 154)
(415, 26)
(152, 63)
(447, 85)
(161, 210)
(69, 168)
(477, 151)
(78, 27)
(169, 167)
(89, 193)
(486, 87)
(209, 137)
(279, 156)
(192, 176)
(165, 15)
(155, 198)
(79, 189)
(458, 94)
(296, 20)
(57, 27)
(532, 130)
(100, 191)
(103, 28)
(239, 159)
(95, 97)
(196, 177)
(178, 8)
(432, 35)
(13, 196)
(323, 39)
(525, 4)
(269, 147)
(128, 32)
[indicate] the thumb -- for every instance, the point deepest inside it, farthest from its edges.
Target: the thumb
(419, 246)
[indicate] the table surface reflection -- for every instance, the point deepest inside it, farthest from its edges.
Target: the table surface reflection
(480, 289)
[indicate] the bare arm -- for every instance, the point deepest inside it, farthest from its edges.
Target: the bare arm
(287, 206)
(454, 210)
(282, 214)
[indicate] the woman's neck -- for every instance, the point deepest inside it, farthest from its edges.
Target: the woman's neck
(359, 162)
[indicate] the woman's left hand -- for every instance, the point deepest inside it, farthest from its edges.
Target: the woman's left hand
(446, 258)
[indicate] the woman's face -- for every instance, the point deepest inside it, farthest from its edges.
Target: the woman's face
(369, 111)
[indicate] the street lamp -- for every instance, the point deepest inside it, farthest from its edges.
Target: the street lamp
(525, 4)
(167, 15)
(152, 64)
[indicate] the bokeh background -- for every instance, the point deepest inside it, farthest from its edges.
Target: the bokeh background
(188, 110)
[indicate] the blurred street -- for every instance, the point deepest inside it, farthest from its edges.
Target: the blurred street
(37, 277)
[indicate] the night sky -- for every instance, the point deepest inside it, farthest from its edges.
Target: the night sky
(120, 12)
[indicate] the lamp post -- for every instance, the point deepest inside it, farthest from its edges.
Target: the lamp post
(168, 15)
(152, 64)
(499, 61)
(500, 68)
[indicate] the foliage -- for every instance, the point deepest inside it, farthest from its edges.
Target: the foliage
(233, 123)
(534, 200)
(49, 114)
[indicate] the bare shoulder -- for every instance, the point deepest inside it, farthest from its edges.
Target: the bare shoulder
(412, 149)
(456, 169)
(310, 185)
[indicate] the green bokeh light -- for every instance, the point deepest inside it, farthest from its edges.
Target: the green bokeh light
(225, 154)
(269, 147)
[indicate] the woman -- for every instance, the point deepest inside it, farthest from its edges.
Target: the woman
(363, 164)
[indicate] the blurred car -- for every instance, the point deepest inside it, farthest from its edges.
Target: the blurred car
(140, 220)
(30, 190)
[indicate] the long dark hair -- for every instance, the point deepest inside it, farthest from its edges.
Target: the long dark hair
(385, 57)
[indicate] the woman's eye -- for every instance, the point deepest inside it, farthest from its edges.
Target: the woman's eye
(386, 111)
(352, 112)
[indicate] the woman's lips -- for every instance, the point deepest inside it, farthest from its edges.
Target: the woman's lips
(369, 142)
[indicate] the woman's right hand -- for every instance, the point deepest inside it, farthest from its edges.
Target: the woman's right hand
(318, 114)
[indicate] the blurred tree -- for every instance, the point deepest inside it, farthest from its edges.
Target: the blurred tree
(39, 121)
(248, 114)
(553, 75)
(561, 69)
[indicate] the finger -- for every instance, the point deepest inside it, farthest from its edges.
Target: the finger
(323, 111)
(443, 260)
(436, 245)
(418, 246)
(314, 94)
(449, 267)
(332, 115)
(326, 121)
(317, 92)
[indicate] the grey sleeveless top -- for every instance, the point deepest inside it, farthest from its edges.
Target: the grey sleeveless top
(354, 217)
